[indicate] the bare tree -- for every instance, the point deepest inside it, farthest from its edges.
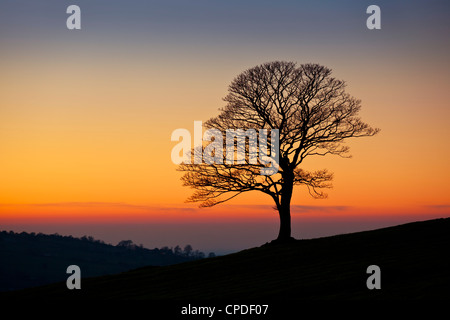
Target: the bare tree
(177, 250)
(187, 250)
(314, 116)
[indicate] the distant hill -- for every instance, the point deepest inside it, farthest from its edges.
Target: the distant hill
(28, 259)
(414, 261)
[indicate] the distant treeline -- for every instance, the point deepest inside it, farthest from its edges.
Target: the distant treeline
(31, 259)
(187, 251)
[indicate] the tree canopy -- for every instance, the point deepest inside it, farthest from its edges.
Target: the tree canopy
(312, 115)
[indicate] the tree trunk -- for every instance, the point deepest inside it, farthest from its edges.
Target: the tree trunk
(284, 208)
(285, 223)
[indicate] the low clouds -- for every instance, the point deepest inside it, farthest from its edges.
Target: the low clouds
(121, 205)
(306, 209)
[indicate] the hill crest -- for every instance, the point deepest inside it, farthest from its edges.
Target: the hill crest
(413, 259)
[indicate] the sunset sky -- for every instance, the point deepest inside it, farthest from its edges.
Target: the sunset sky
(86, 115)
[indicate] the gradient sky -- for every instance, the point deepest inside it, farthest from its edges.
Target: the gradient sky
(86, 115)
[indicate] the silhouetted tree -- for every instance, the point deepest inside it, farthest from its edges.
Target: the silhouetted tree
(197, 254)
(314, 116)
(166, 250)
(126, 244)
(211, 255)
(187, 250)
(177, 250)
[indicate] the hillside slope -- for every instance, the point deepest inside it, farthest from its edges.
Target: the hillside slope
(414, 261)
(28, 260)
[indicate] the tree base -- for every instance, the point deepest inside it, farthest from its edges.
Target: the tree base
(280, 241)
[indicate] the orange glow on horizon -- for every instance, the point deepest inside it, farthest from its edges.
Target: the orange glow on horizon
(104, 213)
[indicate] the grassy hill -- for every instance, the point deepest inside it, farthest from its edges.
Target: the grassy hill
(414, 260)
